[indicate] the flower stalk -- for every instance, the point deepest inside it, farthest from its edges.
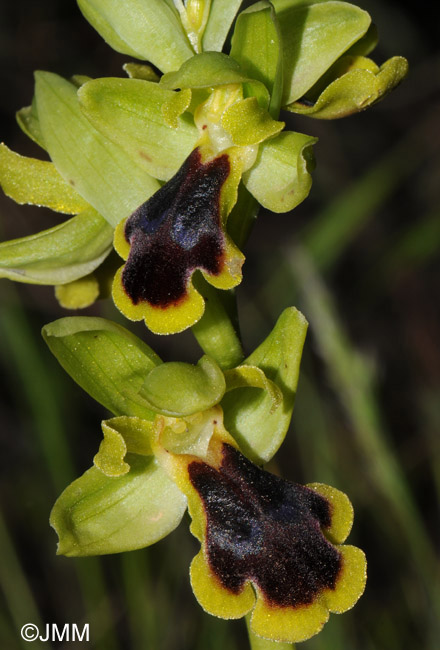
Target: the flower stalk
(217, 331)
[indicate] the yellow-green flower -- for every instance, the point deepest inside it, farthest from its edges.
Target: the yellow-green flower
(182, 227)
(208, 124)
(268, 546)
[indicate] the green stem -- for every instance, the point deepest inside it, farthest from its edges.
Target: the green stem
(217, 332)
(258, 643)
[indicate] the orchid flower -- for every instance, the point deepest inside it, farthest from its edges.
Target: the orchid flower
(160, 162)
(268, 546)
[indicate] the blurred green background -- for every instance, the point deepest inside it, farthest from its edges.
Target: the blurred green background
(359, 258)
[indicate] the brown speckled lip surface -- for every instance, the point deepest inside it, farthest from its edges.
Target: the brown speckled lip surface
(265, 529)
(175, 232)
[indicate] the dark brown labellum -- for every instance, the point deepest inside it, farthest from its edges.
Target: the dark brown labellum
(175, 232)
(265, 529)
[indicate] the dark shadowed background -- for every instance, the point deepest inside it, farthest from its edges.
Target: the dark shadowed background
(359, 258)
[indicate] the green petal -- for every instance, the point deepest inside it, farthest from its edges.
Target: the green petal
(247, 123)
(256, 45)
(314, 35)
(211, 69)
(253, 377)
(146, 29)
(78, 294)
(58, 255)
(221, 16)
(111, 454)
(28, 180)
(360, 86)
(106, 360)
(121, 436)
(191, 435)
(96, 514)
(129, 113)
(141, 71)
(344, 64)
(249, 414)
(79, 80)
(181, 389)
(98, 169)
(176, 104)
(29, 123)
(280, 178)
(84, 291)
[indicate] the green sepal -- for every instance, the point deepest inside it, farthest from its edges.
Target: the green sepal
(101, 171)
(61, 254)
(211, 69)
(96, 514)
(129, 113)
(106, 360)
(220, 19)
(146, 29)
(122, 435)
(27, 119)
(359, 83)
(78, 294)
(37, 182)
(256, 46)
(249, 414)
(314, 36)
(205, 70)
(280, 178)
(181, 389)
(140, 71)
(253, 377)
(247, 123)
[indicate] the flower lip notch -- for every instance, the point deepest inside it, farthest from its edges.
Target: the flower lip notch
(178, 230)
